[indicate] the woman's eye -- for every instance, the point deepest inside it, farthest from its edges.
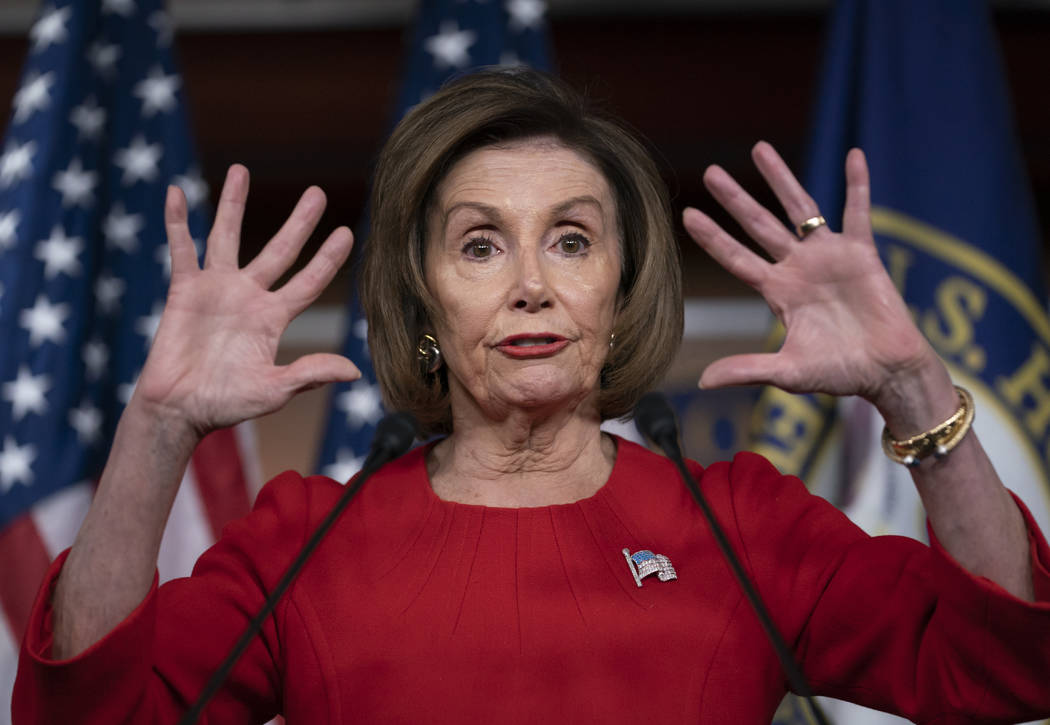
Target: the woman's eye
(479, 248)
(574, 243)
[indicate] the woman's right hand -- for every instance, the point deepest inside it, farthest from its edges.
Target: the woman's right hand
(212, 362)
(211, 365)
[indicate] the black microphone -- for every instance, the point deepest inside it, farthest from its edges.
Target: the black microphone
(656, 420)
(394, 436)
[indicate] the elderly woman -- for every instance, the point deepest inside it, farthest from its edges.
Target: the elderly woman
(522, 285)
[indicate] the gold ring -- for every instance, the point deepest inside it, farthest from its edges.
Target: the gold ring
(809, 225)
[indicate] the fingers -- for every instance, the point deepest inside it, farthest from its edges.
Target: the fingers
(760, 224)
(225, 238)
(279, 254)
(737, 259)
(752, 369)
(180, 242)
(856, 217)
(307, 284)
(312, 371)
(797, 203)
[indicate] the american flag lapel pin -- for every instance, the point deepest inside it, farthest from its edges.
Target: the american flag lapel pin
(642, 563)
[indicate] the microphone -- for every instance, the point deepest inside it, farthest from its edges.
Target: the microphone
(393, 436)
(656, 420)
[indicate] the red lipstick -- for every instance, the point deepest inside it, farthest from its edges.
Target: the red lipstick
(532, 345)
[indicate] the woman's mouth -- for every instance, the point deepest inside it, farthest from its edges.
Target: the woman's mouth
(531, 345)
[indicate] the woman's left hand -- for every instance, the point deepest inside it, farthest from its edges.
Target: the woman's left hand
(850, 333)
(848, 330)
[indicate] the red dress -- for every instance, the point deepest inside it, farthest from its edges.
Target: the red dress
(417, 610)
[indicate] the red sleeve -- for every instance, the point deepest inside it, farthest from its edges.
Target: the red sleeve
(889, 622)
(155, 663)
(52, 691)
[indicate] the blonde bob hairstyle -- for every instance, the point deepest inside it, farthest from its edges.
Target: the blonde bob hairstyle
(490, 108)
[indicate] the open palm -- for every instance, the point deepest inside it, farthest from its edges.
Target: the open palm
(848, 330)
(212, 360)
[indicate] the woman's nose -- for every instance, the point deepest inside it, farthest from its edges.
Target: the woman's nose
(531, 291)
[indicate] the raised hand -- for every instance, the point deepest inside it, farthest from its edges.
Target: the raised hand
(211, 365)
(848, 330)
(212, 360)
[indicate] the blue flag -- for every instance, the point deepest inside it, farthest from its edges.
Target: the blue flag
(918, 85)
(97, 132)
(451, 38)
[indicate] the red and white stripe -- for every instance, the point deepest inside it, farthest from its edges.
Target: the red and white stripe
(218, 486)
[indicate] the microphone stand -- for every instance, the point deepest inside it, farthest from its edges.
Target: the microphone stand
(394, 435)
(656, 420)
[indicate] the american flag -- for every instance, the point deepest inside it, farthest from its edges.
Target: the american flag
(97, 132)
(644, 562)
(451, 38)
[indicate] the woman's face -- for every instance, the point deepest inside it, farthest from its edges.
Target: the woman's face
(523, 257)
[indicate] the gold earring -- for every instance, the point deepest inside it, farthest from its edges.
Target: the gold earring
(428, 352)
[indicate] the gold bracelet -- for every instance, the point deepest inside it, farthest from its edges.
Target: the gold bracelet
(937, 441)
